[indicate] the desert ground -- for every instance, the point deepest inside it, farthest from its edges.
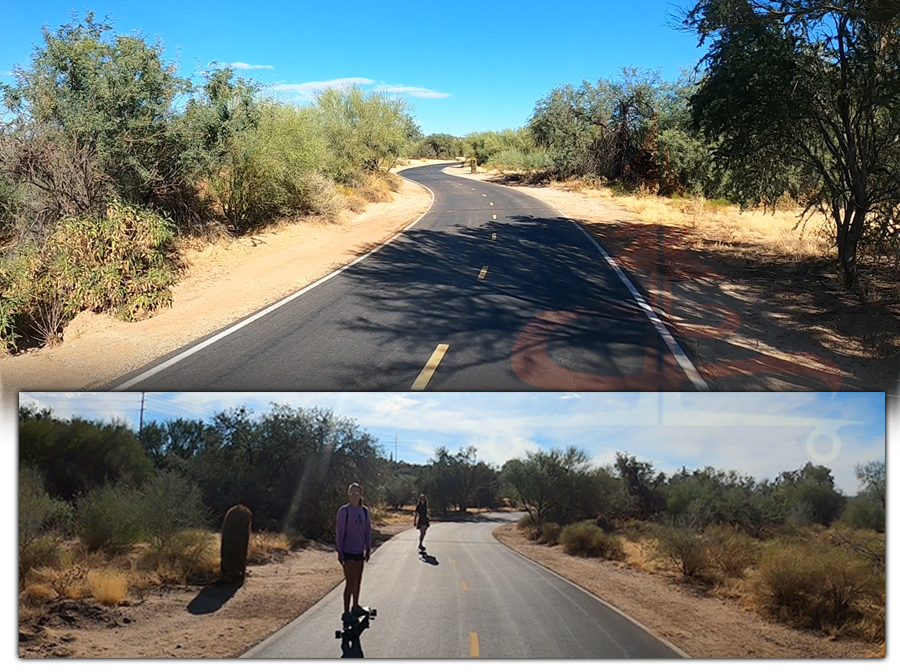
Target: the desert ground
(206, 622)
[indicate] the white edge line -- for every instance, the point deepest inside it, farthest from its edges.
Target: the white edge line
(621, 613)
(683, 360)
(275, 306)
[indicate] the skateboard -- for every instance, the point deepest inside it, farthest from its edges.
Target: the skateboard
(352, 629)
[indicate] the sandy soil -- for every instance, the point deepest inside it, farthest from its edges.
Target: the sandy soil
(195, 622)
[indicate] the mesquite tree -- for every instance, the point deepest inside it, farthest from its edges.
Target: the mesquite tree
(809, 84)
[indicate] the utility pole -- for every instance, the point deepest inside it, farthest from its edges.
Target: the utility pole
(141, 425)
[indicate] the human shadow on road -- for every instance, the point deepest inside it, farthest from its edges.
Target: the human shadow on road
(351, 648)
(428, 559)
(212, 598)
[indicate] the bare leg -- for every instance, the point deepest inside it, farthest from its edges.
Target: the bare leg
(354, 580)
(348, 584)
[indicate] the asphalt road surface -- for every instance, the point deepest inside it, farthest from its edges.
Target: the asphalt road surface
(469, 596)
(491, 290)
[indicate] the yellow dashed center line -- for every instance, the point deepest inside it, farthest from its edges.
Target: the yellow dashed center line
(473, 644)
(432, 364)
(452, 561)
(493, 216)
(483, 272)
(464, 587)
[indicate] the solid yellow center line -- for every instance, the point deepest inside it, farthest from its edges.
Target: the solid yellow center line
(473, 644)
(484, 270)
(464, 587)
(430, 366)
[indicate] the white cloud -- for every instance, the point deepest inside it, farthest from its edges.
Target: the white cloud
(307, 90)
(414, 91)
(246, 66)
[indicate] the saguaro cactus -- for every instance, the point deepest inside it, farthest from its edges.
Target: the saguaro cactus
(235, 540)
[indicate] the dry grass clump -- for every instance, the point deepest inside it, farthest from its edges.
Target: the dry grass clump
(814, 586)
(267, 546)
(108, 587)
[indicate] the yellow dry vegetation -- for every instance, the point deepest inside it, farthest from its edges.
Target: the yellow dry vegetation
(108, 587)
(780, 232)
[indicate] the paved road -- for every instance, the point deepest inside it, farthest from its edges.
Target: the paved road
(471, 597)
(491, 290)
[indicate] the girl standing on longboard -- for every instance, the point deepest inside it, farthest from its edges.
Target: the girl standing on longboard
(420, 519)
(354, 544)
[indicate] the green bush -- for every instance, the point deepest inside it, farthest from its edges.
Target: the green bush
(549, 534)
(110, 517)
(683, 547)
(274, 168)
(731, 551)
(586, 539)
(169, 504)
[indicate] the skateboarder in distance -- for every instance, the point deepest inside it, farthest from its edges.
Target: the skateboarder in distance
(354, 544)
(420, 519)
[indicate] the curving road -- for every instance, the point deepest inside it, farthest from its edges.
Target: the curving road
(491, 289)
(471, 597)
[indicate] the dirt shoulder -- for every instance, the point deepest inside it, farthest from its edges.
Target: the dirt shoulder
(223, 283)
(754, 320)
(700, 625)
(191, 621)
(209, 622)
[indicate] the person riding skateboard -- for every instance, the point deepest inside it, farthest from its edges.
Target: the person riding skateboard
(420, 519)
(354, 545)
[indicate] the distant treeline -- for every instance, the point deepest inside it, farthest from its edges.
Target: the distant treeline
(291, 467)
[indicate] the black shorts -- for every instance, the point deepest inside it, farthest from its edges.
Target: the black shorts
(354, 556)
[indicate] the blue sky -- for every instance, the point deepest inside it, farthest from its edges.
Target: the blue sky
(760, 434)
(464, 66)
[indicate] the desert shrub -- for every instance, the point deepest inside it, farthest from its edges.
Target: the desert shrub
(190, 555)
(731, 551)
(120, 264)
(110, 517)
(364, 132)
(266, 546)
(527, 527)
(812, 585)
(43, 522)
(107, 587)
(169, 504)
(272, 169)
(683, 547)
(520, 160)
(549, 534)
(586, 539)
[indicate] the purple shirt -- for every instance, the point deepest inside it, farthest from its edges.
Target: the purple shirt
(354, 532)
